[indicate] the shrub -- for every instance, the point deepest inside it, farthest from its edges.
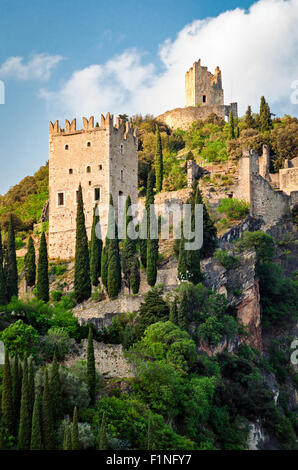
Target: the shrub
(20, 338)
(56, 341)
(234, 209)
(98, 294)
(226, 260)
(56, 295)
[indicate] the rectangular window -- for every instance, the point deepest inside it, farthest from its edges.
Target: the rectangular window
(204, 99)
(96, 194)
(121, 176)
(60, 199)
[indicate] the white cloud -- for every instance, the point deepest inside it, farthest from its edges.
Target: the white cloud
(39, 67)
(256, 49)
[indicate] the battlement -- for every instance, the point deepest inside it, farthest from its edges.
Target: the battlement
(202, 87)
(106, 123)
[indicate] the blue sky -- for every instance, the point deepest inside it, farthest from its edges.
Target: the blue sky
(64, 59)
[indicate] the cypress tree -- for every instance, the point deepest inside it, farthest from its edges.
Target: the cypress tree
(114, 265)
(30, 263)
(249, 120)
(95, 249)
(7, 402)
(75, 431)
(67, 438)
(150, 434)
(42, 286)
(182, 312)
(143, 239)
(36, 436)
(3, 290)
(31, 387)
(158, 161)
(231, 126)
(209, 229)
(174, 312)
(129, 259)
(11, 265)
(91, 372)
(265, 116)
(55, 390)
(104, 264)
(152, 243)
(82, 281)
(47, 416)
(25, 418)
(103, 441)
(16, 391)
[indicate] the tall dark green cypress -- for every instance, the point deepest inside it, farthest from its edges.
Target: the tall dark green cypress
(265, 116)
(11, 265)
(7, 401)
(231, 126)
(30, 264)
(67, 438)
(152, 243)
(75, 431)
(182, 312)
(82, 281)
(249, 120)
(114, 265)
(104, 264)
(55, 390)
(95, 249)
(3, 291)
(31, 386)
(103, 441)
(143, 239)
(47, 416)
(91, 372)
(158, 161)
(42, 286)
(174, 312)
(16, 391)
(129, 259)
(209, 229)
(24, 437)
(36, 435)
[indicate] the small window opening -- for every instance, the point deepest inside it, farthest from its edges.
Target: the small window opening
(88, 144)
(100, 167)
(70, 171)
(96, 194)
(121, 149)
(90, 183)
(66, 147)
(121, 176)
(60, 199)
(88, 169)
(204, 99)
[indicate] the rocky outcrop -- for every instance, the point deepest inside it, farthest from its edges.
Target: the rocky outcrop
(259, 439)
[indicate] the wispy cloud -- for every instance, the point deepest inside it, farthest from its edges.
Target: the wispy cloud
(256, 49)
(38, 67)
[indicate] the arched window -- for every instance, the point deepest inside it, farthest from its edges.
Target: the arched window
(70, 171)
(88, 169)
(66, 147)
(121, 176)
(88, 144)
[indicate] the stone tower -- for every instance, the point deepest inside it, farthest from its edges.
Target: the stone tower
(202, 87)
(104, 159)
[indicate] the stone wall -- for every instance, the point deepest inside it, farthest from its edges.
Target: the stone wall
(183, 118)
(202, 87)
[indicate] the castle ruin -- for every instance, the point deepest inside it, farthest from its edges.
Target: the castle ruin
(204, 96)
(104, 160)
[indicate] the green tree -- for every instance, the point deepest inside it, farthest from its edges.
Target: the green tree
(143, 239)
(231, 134)
(150, 434)
(104, 264)
(47, 416)
(158, 161)
(91, 371)
(248, 119)
(11, 264)
(152, 226)
(16, 390)
(31, 386)
(265, 116)
(24, 437)
(30, 263)
(174, 312)
(183, 312)
(75, 431)
(209, 229)
(67, 438)
(3, 290)
(103, 441)
(42, 286)
(95, 248)
(20, 338)
(55, 390)
(36, 435)
(129, 259)
(7, 401)
(82, 281)
(114, 265)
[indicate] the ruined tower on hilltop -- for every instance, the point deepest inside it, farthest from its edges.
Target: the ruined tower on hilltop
(204, 95)
(104, 159)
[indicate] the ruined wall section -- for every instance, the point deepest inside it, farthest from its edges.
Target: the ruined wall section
(202, 87)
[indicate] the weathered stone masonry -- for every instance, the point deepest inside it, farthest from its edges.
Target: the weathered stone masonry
(104, 160)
